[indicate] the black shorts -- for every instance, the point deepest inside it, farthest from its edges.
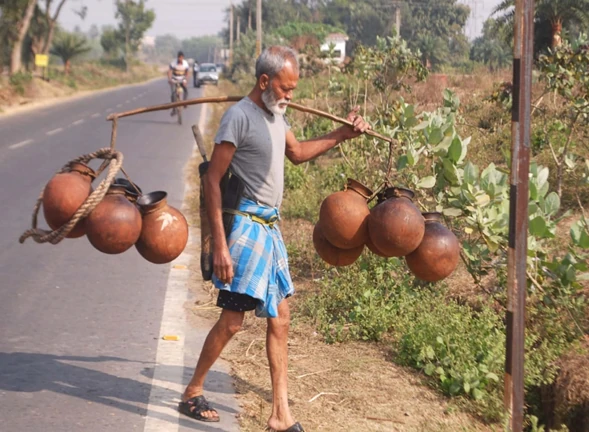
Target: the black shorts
(236, 302)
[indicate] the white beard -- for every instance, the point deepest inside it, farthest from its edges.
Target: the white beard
(272, 104)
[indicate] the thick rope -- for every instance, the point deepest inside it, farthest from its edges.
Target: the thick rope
(114, 160)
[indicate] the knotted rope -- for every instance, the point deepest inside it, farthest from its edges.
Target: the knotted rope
(113, 160)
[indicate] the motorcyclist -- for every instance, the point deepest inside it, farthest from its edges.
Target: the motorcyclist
(178, 73)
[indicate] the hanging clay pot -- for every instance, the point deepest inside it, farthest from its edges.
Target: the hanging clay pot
(115, 224)
(64, 194)
(133, 191)
(373, 248)
(164, 234)
(343, 216)
(396, 226)
(331, 254)
(438, 254)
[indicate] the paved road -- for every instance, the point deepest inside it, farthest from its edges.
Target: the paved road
(79, 330)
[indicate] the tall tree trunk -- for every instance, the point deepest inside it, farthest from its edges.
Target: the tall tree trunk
(49, 38)
(16, 55)
(556, 24)
(127, 48)
(51, 21)
(67, 66)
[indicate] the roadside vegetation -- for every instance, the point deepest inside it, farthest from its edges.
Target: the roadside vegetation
(452, 122)
(78, 60)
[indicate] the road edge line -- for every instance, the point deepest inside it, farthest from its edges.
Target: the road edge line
(167, 382)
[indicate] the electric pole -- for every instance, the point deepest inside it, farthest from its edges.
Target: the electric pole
(258, 28)
(249, 15)
(231, 34)
(238, 29)
(398, 19)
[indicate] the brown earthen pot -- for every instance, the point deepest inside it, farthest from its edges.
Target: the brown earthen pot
(331, 254)
(132, 190)
(64, 194)
(396, 226)
(164, 234)
(438, 254)
(115, 224)
(343, 216)
(373, 248)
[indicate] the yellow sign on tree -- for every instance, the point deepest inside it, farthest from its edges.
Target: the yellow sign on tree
(41, 60)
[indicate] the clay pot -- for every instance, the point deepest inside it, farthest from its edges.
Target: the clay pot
(343, 216)
(437, 255)
(131, 192)
(373, 248)
(396, 226)
(331, 254)
(115, 224)
(64, 194)
(164, 234)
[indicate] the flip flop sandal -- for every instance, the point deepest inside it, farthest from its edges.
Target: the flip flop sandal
(194, 407)
(294, 428)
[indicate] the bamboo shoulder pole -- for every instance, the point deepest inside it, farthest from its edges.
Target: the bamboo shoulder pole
(225, 99)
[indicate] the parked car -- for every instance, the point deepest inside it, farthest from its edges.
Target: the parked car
(207, 74)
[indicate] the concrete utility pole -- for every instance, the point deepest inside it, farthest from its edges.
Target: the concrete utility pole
(398, 19)
(231, 34)
(258, 28)
(238, 29)
(249, 15)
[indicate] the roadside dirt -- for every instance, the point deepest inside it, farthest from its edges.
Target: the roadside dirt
(341, 387)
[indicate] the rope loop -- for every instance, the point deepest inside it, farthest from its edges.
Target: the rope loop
(113, 160)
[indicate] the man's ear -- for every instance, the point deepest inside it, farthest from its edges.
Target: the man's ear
(264, 82)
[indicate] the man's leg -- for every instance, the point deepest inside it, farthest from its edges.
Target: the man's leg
(228, 324)
(277, 349)
(185, 88)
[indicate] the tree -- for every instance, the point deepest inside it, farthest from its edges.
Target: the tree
(93, 33)
(110, 42)
(16, 17)
(442, 20)
(434, 50)
(50, 21)
(68, 46)
(201, 48)
(491, 48)
(134, 21)
(550, 16)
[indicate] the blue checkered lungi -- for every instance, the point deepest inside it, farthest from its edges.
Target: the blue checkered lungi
(260, 262)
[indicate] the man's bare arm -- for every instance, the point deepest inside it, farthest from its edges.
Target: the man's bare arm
(299, 152)
(218, 166)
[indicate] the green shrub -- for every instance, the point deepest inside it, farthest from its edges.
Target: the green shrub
(19, 81)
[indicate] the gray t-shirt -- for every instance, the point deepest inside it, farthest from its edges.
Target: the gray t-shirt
(260, 140)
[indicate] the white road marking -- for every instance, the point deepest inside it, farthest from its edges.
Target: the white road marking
(119, 105)
(54, 131)
(167, 378)
(127, 101)
(78, 122)
(108, 110)
(95, 115)
(20, 144)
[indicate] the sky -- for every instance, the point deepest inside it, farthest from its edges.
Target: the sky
(188, 18)
(183, 18)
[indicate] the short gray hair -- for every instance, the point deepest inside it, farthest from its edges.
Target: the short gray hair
(273, 59)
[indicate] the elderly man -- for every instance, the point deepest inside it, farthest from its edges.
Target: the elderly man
(249, 261)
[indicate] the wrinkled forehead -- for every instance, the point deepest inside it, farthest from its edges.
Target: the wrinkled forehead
(288, 75)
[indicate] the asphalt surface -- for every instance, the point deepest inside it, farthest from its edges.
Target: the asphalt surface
(79, 330)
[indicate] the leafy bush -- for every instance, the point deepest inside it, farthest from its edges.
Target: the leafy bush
(19, 81)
